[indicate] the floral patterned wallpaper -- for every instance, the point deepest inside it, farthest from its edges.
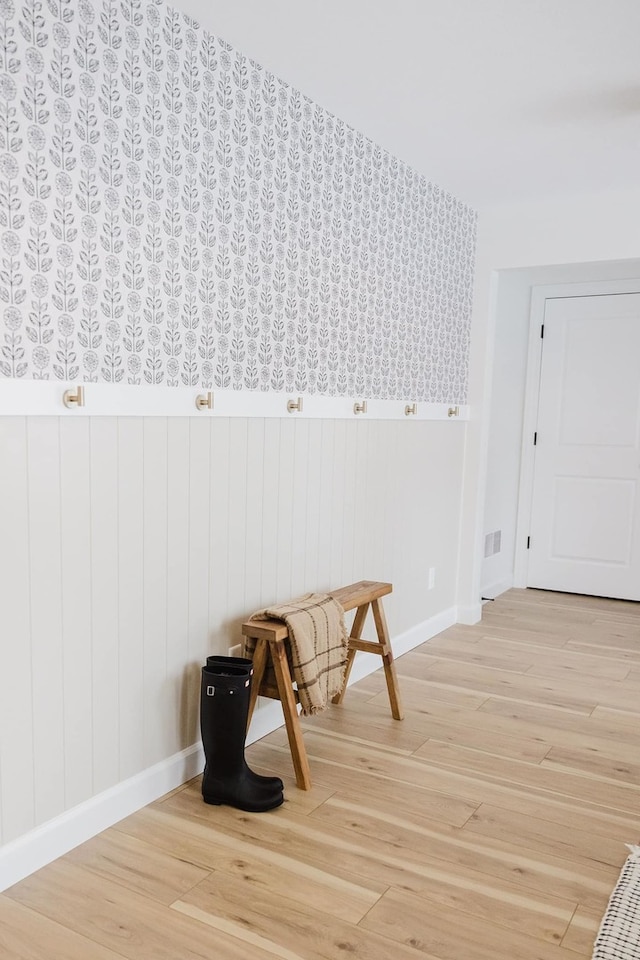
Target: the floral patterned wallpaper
(172, 213)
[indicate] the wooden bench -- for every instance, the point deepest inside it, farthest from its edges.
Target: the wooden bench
(271, 644)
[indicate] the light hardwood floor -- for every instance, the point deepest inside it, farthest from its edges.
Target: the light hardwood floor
(490, 824)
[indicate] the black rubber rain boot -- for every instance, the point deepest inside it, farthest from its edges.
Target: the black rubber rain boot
(245, 664)
(224, 707)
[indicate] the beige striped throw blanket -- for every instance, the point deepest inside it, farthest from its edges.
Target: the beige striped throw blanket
(317, 648)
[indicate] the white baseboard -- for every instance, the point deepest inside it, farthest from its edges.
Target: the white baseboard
(493, 590)
(469, 613)
(45, 843)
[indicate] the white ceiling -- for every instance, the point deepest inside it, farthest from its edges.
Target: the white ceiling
(495, 100)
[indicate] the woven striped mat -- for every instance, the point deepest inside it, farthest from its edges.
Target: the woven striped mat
(619, 934)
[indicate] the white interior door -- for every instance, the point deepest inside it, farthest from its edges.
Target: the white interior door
(585, 525)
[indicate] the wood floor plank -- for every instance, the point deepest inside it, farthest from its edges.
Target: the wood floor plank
(595, 762)
(582, 666)
(477, 889)
(567, 783)
(538, 834)
(26, 935)
(472, 788)
(486, 651)
(570, 813)
(429, 847)
(516, 632)
(575, 601)
(427, 726)
(306, 932)
(415, 690)
(137, 865)
(512, 686)
(428, 801)
(614, 635)
(419, 661)
(583, 930)
(513, 725)
(128, 923)
(623, 721)
(602, 722)
(449, 935)
(225, 853)
(558, 622)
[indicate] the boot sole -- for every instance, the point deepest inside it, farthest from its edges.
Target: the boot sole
(249, 807)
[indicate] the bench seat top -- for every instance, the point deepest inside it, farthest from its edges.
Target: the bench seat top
(350, 597)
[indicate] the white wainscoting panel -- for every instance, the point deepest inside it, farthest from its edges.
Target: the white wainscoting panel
(155, 696)
(103, 564)
(75, 552)
(132, 547)
(47, 647)
(17, 791)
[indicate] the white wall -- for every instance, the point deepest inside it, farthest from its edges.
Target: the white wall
(134, 547)
(548, 241)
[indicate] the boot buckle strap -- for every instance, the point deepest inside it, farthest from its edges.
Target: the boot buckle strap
(211, 690)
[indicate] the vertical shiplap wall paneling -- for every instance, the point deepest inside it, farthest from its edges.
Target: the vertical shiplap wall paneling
(105, 601)
(270, 514)
(394, 494)
(325, 499)
(411, 541)
(285, 510)
(312, 577)
(43, 484)
(361, 491)
(390, 490)
(75, 554)
(155, 466)
(219, 530)
(349, 486)
(371, 483)
(337, 505)
(444, 528)
(199, 506)
(237, 509)
(379, 488)
(131, 593)
(176, 716)
(254, 528)
(361, 513)
(298, 547)
(401, 541)
(416, 525)
(136, 547)
(17, 814)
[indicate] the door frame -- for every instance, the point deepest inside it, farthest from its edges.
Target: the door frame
(540, 293)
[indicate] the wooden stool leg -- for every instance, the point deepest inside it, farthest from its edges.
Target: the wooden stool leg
(387, 659)
(356, 634)
(259, 664)
(291, 719)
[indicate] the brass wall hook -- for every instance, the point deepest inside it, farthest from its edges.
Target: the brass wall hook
(294, 405)
(360, 407)
(453, 411)
(411, 409)
(71, 399)
(204, 401)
